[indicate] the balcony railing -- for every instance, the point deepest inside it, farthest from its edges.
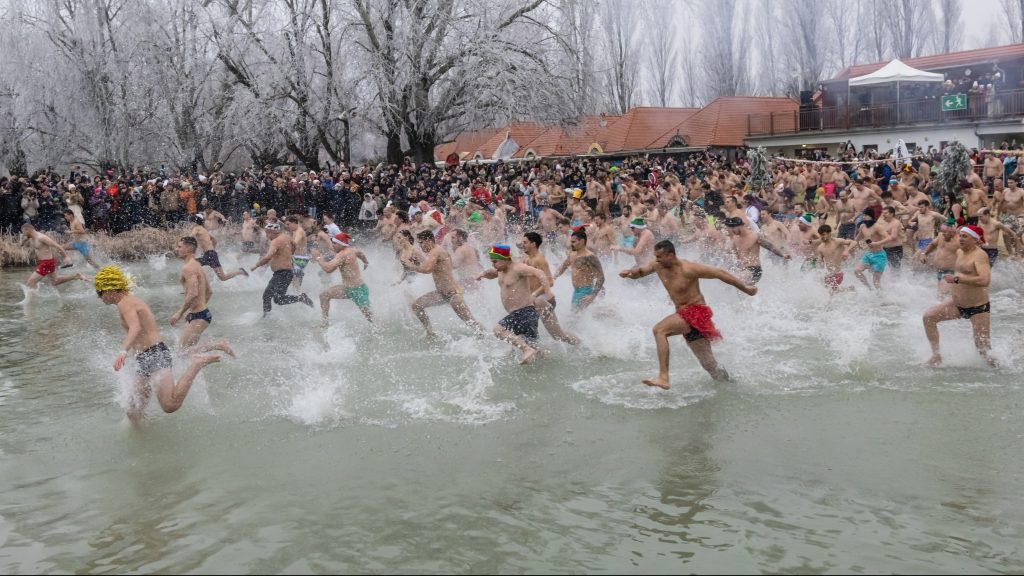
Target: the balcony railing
(929, 110)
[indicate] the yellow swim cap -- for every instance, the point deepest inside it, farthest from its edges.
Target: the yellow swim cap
(111, 278)
(255, 205)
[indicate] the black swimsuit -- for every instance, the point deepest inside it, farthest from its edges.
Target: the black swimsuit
(966, 313)
(156, 357)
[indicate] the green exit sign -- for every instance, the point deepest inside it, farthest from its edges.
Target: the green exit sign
(951, 102)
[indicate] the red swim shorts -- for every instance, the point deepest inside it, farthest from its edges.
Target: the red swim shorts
(698, 316)
(834, 280)
(46, 267)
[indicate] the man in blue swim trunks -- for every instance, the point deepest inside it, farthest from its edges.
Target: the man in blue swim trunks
(874, 256)
(79, 240)
(194, 308)
(587, 273)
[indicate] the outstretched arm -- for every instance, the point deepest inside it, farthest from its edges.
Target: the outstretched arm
(715, 273)
(638, 271)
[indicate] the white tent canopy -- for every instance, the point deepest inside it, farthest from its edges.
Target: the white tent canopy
(895, 71)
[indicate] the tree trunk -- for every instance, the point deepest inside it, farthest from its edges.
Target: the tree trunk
(422, 148)
(394, 148)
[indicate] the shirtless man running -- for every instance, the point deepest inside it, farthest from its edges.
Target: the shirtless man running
(833, 252)
(587, 273)
(279, 256)
(438, 263)
(692, 317)
(944, 252)
(208, 245)
(466, 260)
(545, 299)
(352, 285)
(520, 326)
(46, 264)
(152, 356)
(746, 245)
(194, 308)
(79, 240)
(643, 247)
(970, 296)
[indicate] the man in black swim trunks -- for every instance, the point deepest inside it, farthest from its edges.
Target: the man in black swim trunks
(746, 245)
(970, 296)
(151, 354)
(520, 326)
(194, 308)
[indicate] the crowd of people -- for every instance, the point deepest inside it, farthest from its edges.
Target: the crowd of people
(588, 213)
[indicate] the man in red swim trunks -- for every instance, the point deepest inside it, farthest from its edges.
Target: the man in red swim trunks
(46, 264)
(692, 318)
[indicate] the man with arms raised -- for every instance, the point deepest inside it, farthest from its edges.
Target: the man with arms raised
(197, 294)
(352, 285)
(692, 318)
(520, 326)
(151, 355)
(970, 296)
(438, 264)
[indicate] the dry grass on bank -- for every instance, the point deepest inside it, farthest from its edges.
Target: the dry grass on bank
(132, 245)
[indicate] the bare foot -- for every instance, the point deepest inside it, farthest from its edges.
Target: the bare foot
(660, 382)
(324, 323)
(224, 347)
(529, 355)
(721, 375)
(991, 361)
(935, 360)
(83, 277)
(205, 359)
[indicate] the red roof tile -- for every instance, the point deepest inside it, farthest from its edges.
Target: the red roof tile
(723, 122)
(938, 61)
(640, 126)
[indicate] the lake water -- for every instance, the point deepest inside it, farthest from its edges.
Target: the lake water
(835, 449)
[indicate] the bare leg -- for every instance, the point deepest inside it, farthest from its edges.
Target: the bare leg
(333, 293)
(419, 307)
(518, 341)
(58, 280)
(220, 345)
(702, 350)
(939, 313)
(877, 277)
(368, 313)
(671, 325)
(982, 337)
(225, 276)
(33, 281)
(462, 311)
(138, 400)
(859, 273)
(550, 320)
(171, 395)
(190, 336)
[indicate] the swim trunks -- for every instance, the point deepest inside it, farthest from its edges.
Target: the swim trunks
(755, 274)
(359, 295)
(940, 274)
(82, 247)
(299, 264)
(834, 280)
(578, 294)
(698, 316)
(152, 359)
(924, 243)
(201, 315)
(209, 258)
(992, 253)
(522, 322)
(966, 313)
(876, 260)
(46, 267)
